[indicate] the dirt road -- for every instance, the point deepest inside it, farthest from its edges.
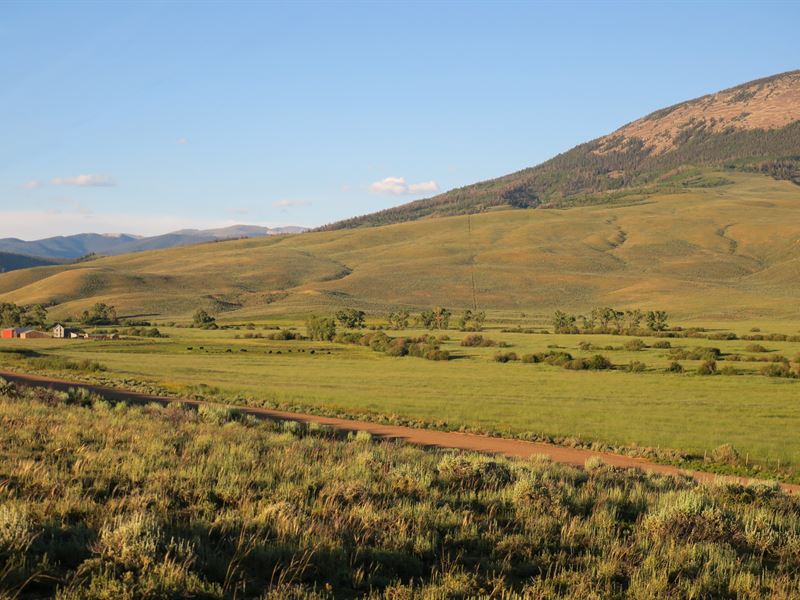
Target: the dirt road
(422, 437)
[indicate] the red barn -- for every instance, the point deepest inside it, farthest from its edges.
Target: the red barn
(13, 332)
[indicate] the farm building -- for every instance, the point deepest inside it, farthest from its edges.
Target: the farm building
(32, 334)
(13, 332)
(59, 331)
(99, 337)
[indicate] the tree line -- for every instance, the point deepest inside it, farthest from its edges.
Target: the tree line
(14, 315)
(610, 320)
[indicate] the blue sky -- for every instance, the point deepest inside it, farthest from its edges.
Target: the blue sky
(149, 117)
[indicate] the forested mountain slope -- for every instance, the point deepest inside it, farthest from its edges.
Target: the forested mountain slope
(751, 127)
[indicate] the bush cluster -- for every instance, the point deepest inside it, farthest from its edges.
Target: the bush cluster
(426, 346)
(598, 362)
(477, 340)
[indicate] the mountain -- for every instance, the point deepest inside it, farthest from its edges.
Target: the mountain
(12, 262)
(751, 127)
(76, 246)
(67, 247)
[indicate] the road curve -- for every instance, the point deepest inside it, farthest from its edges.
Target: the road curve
(421, 437)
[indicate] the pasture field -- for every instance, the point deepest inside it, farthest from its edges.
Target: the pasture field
(650, 412)
(109, 501)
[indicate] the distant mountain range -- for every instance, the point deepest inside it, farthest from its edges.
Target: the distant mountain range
(63, 248)
(753, 127)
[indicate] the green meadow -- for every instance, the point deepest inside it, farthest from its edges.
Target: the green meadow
(652, 409)
(723, 257)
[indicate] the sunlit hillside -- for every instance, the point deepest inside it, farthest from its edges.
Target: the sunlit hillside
(729, 250)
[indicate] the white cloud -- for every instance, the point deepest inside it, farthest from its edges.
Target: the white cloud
(424, 187)
(85, 181)
(286, 203)
(397, 186)
(183, 141)
(31, 185)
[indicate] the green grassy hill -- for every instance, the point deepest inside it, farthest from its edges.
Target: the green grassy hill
(752, 127)
(730, 250)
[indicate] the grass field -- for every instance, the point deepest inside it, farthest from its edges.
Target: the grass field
(758, 415)
(729, 252)
(101, 501)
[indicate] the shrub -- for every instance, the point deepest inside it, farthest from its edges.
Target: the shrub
(131, 540)
(437, 354)
(473, 473)
(699, 353)
(726, 335)
(477, 340)
(675, 367)
(635, 345)
(16, 528)
(363, 437)
(284, 335)
(593, 463)
(726, 453)
(777, 370)
(709, 367)
(598, 362)
(636, 366)
(504, 357)
(151, 332)
(662, 344)
(755, 348)
(729, 370)
(397, 348)
(216, 414)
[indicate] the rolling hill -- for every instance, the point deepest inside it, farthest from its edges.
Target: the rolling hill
(76, 246)
(727, 251)
(751, 127)
(694, 209)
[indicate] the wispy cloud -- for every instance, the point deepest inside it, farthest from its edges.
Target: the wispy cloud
(31, 185)
(286, 203)
(398, 186)
(183, 141)
(85, 181)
